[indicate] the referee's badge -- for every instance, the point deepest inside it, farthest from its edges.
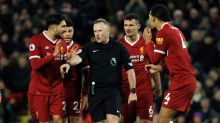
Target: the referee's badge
(113, 62)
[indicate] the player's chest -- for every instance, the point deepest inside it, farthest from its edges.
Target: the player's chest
(47, 48)
(105, 57)
(137, 54)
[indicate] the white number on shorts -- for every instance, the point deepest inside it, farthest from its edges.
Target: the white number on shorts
(151, 111)
(64, 105)
(167, 98)
(76, 106)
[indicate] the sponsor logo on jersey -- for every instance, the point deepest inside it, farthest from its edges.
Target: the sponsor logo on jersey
(159, 41)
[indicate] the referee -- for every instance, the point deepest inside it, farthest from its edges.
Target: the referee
(106, 58)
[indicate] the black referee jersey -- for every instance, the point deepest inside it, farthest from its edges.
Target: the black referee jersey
(106, 62)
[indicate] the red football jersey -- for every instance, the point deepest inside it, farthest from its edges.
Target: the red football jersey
(171, 43)
(74, 76)
(45, 72)
(139, 58)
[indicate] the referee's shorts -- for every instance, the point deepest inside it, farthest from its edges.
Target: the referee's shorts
(103, 102)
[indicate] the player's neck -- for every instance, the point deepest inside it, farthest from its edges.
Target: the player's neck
(51, 35)
(160, 25)
(132, 38)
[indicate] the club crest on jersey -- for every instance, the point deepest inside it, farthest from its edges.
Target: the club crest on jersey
(141, 50)
(31, 47)
(159, 41)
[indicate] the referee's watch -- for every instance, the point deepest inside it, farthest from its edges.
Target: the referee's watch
(133, 90)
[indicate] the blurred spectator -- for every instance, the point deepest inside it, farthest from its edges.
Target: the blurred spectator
(215, 102)
(138, 7)
(206, 109)
(197, 117)
(180, 119)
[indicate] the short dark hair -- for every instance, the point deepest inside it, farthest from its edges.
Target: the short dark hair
(101, 20)
(161, 12)
(54, 19)
(69, 23)
(132, 16)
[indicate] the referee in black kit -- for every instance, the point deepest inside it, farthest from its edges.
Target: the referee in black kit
(106, 58)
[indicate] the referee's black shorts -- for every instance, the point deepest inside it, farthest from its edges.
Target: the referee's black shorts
(103, 102)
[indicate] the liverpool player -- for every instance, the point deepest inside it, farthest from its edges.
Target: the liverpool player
(136, 46)
(73, 80)
(46, 53)
(170, 47)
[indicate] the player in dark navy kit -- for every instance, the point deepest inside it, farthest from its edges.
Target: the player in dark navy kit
(105, 57)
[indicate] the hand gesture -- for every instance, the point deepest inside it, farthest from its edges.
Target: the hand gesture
(147, 35)
(152, 68)
(132, 97)
(57, 50)
(64, 69)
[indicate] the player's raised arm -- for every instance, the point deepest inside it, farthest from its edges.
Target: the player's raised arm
(36, 61)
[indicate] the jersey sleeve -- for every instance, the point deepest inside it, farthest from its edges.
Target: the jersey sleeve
(157, 50)
(125, 58)
(35, 58)
(83, 53)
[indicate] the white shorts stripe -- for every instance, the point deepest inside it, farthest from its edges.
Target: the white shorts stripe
(31, 57)
(159, 51)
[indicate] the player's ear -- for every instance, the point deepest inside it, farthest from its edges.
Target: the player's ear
(153, 18)
(139, 26)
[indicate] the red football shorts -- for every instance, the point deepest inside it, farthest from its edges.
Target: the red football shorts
(143, 108)
(72, 100)
(42, 107)
(179, 99)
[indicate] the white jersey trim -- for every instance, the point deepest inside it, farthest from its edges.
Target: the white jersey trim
(164, 24)
(132, 43)
(159, 51)
(31, 57)
(70, 44)
(53, 41)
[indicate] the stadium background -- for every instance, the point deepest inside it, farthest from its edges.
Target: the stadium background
(20, 19)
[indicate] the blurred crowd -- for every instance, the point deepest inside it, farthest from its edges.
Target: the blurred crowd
(199, 20)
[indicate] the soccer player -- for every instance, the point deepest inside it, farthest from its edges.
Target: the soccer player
(46, 53)
(136, 46)
(106, 58)
(72, 82)
(170, 47)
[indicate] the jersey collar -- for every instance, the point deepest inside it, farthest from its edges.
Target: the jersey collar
(164, 25)
(132, 43)
(70, 44)
(44, 33)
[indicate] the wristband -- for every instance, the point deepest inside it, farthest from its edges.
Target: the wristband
(133, 90)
